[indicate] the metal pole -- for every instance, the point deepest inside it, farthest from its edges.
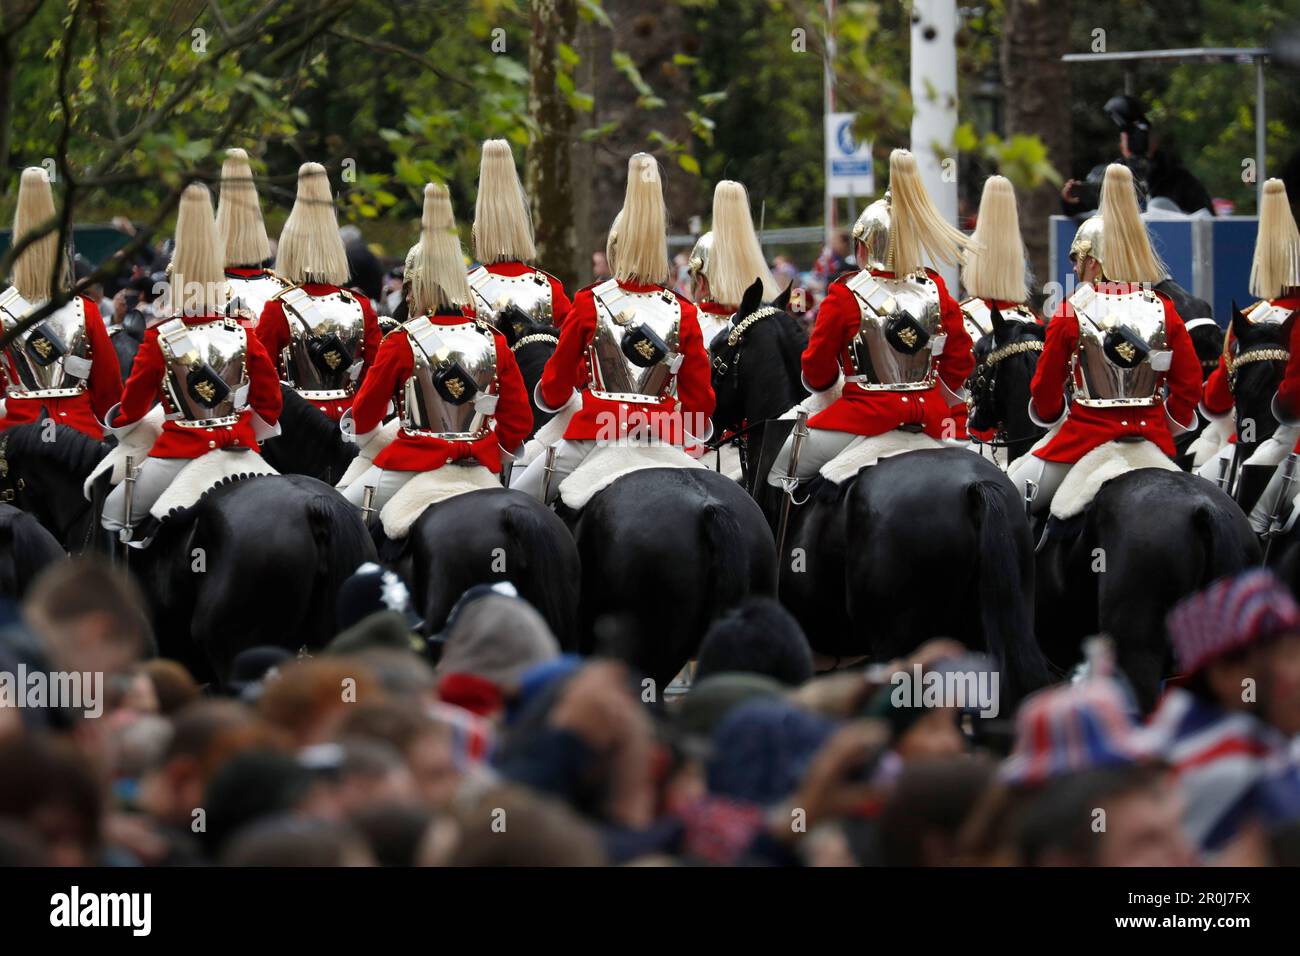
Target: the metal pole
(828, 96)
(1261, 138)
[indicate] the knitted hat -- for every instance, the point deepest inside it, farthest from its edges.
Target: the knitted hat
(1230, 615)
(762, 749)
(1068, 728)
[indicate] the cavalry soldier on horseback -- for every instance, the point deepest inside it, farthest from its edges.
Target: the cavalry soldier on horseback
(1275, 278)
(217, 385)
(633, 343)
(503, 245)
(460, 396)
(243, 237)
(891, 329)
(1116, 344)
(65, 366)
(726, 261)
(322, 336)
(994, 271)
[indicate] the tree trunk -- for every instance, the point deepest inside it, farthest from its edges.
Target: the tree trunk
(549, 171)
(1035, 35)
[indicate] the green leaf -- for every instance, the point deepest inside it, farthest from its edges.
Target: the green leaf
(689, 163)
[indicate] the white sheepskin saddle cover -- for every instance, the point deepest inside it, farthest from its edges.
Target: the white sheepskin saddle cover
(428, 488)
(867, 450)
(134, 444)
(1099, 466)
(205, 473)
(608, 463)
(383, 437)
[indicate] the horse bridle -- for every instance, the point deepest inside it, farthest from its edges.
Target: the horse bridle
(535, 337)
(1248, 356)
(737, 335)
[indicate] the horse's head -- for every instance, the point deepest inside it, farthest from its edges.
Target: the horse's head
(1255, 365)
(1207, 339)
(1005, 361)
(532, 343)
(756, 372)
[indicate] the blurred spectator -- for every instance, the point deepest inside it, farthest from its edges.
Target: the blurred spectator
(758, 636)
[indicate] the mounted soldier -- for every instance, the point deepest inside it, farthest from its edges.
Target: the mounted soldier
(243, 237)
(890, 334)
(726, 261)
(217, 385)
(322, 336)
(632, 344)
(504, 248)
(1118, 364)
(64, 367)
(460, 398)
(994, 271)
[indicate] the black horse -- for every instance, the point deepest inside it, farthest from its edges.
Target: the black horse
(1004, 366)
(254, 562)
(309, 442)
(1207, 339)
(533, 344)
(1146, 540)
(485, 536)
(26, 549)
(924, 544)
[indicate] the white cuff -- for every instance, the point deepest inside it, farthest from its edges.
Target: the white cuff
(1034, 417)
(575, 401)
(1210, 416)
(700, 439)
(950, 397)
(510, 455)
(1176, 427)
(118, 431)
(1282, 418)
(819, 391)
(262, 429)
(348, 428)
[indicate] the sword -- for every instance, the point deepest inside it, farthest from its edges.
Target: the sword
(549, 473)
(797, 436)
(128, 500)
(1281, 501)
(367, 503)
(1031, 492)
(1223, 474)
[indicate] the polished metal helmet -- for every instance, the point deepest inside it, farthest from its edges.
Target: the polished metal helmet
(872, 230)
(1088, 242)
(699, 262)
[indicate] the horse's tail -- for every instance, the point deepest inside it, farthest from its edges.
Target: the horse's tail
(727, 575)
(1224, 549)
(342, 545)
(543, 574)
(1004, 619)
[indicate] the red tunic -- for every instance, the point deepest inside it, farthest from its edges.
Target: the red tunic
(83, 412)
(1087, 427)
(273, 331)
(512, 420)
(604, 419)
(560, 304)
(144, 388)
(862, 412)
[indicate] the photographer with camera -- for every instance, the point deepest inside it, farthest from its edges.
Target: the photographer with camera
(1158, 170)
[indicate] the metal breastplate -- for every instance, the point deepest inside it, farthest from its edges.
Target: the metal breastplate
(52, 359)
(452, 389)
(1122, 354)
(326, 333)
(206, 378)
(248, 296)
(977, 316)
(530, 293)
(899, 334)
(645, 324)
(1265, 312)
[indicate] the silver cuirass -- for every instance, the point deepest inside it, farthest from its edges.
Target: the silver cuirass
(1265, 312)
(626, 322)
(451, 393)
(977, 316)
(248, 296)
(326, 334)
(52, 358)
(530, 293)
(206, 378)
(1122, 354)
(899, 334)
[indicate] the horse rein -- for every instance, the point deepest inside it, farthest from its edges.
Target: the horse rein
(1268, 354)
(533, 338)
(984, 382)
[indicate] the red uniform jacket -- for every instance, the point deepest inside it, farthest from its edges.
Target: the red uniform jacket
(862, 412)
(512, 420)
(1085, 428)
(83, 412)
(144, 388)
(560, 304)
(603, 419)
(273, 331)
